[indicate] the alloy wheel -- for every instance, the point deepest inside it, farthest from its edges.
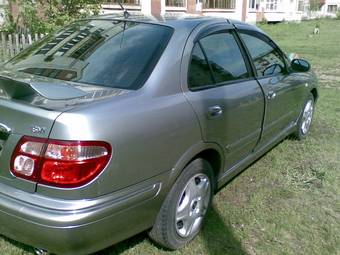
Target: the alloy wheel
(192, 205)
(307, 117)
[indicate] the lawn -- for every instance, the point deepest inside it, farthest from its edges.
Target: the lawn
(288, 202)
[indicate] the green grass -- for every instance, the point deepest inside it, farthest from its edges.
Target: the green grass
(288, 202)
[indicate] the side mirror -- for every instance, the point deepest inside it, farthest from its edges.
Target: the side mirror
(300, 65)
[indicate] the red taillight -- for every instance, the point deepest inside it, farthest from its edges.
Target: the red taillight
(59, 163)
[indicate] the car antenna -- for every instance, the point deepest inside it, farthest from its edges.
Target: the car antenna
(126, 13)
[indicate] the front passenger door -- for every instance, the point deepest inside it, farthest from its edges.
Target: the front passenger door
(273, 75)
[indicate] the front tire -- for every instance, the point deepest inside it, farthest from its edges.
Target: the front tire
(305, 120)
(184, 209)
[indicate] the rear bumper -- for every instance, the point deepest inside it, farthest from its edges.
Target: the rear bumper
(78, 226)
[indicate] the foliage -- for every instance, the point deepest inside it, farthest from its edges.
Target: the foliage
(314, 5)
(10, 22)
(338, 15)
(263, 21)
(43, 16)
(28, 14)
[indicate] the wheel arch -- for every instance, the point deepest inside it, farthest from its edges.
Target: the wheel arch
(315, 94)
(210, 152)
(213, 157)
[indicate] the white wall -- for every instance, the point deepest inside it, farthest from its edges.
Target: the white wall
(324, 9)
(291, 10)
(230, 13)
(2, 11)
(287, 10)
(2, 16)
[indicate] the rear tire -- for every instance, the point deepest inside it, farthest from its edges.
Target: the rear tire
(305, 120)
(184, 209)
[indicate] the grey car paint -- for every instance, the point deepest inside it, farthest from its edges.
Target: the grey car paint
(238, 128)
(154, 133)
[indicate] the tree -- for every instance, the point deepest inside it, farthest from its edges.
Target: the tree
(43, 16)
(315, 5)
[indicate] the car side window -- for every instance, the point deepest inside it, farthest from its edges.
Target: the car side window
(199, 71)
(224, 57)
(215, 59)
(267, 59)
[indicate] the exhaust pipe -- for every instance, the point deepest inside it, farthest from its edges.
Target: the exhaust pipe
(39, 251)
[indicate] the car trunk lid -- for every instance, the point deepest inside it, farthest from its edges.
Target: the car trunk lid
(16, 120)
(29, 107)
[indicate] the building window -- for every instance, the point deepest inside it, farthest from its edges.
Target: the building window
(332, 8)
(301, 6)
(254, 4)
(176, 3)
(271, 5)
(124, 2)
(219, 4)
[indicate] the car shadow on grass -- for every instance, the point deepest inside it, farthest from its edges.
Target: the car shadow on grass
(125, 245)
(218, 236)
(24, 249)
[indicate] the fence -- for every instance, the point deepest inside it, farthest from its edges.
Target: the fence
(12, 44)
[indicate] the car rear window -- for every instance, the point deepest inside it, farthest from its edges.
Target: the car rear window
(110, 53)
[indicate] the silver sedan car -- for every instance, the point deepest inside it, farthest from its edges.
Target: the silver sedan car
(113, 126)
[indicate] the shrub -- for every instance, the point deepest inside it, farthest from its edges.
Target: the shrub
(338, 15)
(53, 14)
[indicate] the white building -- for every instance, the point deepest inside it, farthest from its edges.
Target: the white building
(330, 8)
(246, 10)
(3, 4)
(278, 10)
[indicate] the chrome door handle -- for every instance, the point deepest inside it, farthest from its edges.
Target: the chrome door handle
(271, 95)
(215, 111)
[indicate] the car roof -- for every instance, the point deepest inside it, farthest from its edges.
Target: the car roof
(176, 21)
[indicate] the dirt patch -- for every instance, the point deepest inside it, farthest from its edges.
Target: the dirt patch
(328, 78)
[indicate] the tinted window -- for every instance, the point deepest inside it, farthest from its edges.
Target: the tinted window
(267, 59)
(224, 57)
(100, 52)
(199, 71)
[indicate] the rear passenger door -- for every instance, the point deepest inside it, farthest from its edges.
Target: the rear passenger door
(223, 92)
